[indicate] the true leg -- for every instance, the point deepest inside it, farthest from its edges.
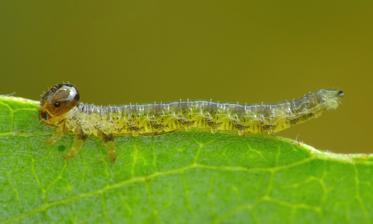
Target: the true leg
(76, 147)
(109, 145)
(57, 135)
(110, 148)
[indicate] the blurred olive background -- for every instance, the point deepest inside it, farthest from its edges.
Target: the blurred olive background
(140, 51)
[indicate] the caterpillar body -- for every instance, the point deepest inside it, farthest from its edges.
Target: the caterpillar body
(60, 107)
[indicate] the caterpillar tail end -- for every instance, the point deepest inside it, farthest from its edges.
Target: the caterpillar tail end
(331, 98)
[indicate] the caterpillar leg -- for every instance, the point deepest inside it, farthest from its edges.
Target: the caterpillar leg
(57, 135)
(76, 147)
(109, 145)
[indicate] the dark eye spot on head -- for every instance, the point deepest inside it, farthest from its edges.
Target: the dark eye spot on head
(57, 104)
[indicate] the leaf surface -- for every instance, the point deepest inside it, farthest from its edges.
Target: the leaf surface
(185, 177)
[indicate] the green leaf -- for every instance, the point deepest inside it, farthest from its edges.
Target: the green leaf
(186, 177)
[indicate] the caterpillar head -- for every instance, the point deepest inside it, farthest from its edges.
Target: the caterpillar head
(57, 101)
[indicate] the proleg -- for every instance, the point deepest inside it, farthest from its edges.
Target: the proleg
(60, 106)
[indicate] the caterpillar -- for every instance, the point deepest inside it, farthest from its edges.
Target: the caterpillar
(60, 106)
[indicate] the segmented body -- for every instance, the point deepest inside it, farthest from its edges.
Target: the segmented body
(60, 107)
(151, 119)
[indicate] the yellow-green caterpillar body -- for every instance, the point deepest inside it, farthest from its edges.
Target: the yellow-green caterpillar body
(60, 107)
